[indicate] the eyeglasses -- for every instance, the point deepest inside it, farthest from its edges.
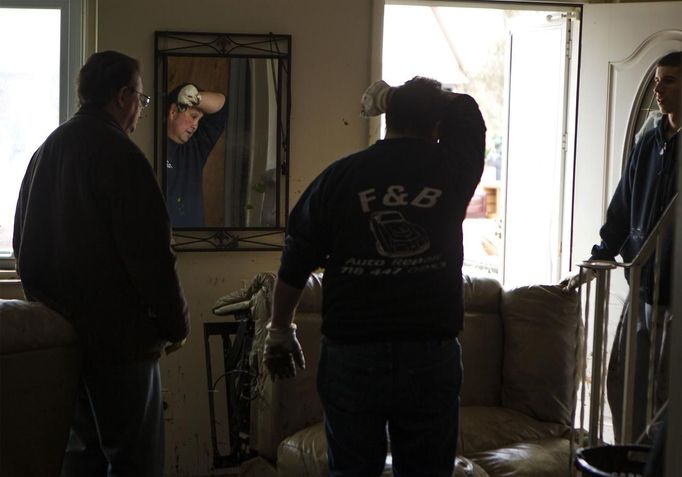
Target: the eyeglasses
(144, 99)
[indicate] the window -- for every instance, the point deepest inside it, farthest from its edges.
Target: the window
(36, 90)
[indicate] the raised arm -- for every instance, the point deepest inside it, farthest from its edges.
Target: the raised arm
(208, 102)
(211, 102)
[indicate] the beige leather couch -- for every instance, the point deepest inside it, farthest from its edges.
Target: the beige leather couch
(39, 372)
(521, 355)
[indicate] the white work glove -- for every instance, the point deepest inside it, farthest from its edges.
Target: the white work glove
(374, 100)
(188, 96)
(282, 352)
(575, 281)
(175, 346)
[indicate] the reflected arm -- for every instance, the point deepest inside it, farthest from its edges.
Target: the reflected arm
(211, 102)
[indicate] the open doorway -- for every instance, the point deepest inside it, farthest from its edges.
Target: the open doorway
(519, 63)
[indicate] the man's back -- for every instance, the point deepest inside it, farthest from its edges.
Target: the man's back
(389, 219)
(90, 231)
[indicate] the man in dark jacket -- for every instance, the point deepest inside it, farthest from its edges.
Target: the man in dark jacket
(92, 241)
(646, 188)
(386, 224)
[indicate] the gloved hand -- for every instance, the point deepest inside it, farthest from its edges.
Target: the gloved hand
(175, 346)
(188, 96)
(374, 100)
(282, 352)
(575, 281)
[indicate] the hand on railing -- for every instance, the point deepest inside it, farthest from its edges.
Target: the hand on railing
(575, 281)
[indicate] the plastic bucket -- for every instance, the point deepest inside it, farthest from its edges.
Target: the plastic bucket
(609, 461)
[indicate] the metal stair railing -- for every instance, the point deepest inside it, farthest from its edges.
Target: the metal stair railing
(602, 270)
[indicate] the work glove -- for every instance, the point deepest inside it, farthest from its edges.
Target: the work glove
(282, 352)
(172, 347)
(575, 281)
(187, 97)
(374, 100)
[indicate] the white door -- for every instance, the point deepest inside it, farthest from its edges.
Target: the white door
(620, 46)
(538, 92)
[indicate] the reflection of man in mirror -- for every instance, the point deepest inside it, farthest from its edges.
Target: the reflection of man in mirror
(196, 119)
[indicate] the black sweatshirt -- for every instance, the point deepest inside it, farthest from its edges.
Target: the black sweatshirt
(386, 224)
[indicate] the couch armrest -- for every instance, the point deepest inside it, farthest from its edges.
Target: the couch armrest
(29, 325)
(40, 364)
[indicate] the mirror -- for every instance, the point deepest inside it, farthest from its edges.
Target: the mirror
(222, 163)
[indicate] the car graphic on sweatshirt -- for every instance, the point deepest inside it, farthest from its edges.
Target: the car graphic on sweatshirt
(395, 236)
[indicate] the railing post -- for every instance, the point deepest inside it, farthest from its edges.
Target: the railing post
(597, 355)
(630, 357)
(653, 332)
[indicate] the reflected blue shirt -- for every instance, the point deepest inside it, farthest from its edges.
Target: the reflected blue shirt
(184, 171)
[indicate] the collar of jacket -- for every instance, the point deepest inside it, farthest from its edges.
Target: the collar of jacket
(99, 113)
(661, 141)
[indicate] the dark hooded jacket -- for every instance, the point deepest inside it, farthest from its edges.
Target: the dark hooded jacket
(646, 188)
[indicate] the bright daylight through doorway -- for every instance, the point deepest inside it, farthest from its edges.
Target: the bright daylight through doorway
(515, 221)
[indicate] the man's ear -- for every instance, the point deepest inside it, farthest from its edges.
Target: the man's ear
(121, 97)
(172, 111)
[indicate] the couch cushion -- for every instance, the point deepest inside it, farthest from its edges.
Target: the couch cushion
(542, 351)
(485, 428)
(481, 295)
(542, 458)
(303, 454)
(481, 341)
(26, 326)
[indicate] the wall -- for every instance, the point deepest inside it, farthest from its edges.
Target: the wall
(330, 70)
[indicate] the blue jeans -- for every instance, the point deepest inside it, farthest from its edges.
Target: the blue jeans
(410, 387)
(117, 430)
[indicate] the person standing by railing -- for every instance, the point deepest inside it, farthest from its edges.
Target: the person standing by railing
(646, 187)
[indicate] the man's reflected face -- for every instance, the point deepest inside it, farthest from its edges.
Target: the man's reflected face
(183, 124)
(667, 89)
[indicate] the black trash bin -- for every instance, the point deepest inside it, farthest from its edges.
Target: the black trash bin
(609, 461)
